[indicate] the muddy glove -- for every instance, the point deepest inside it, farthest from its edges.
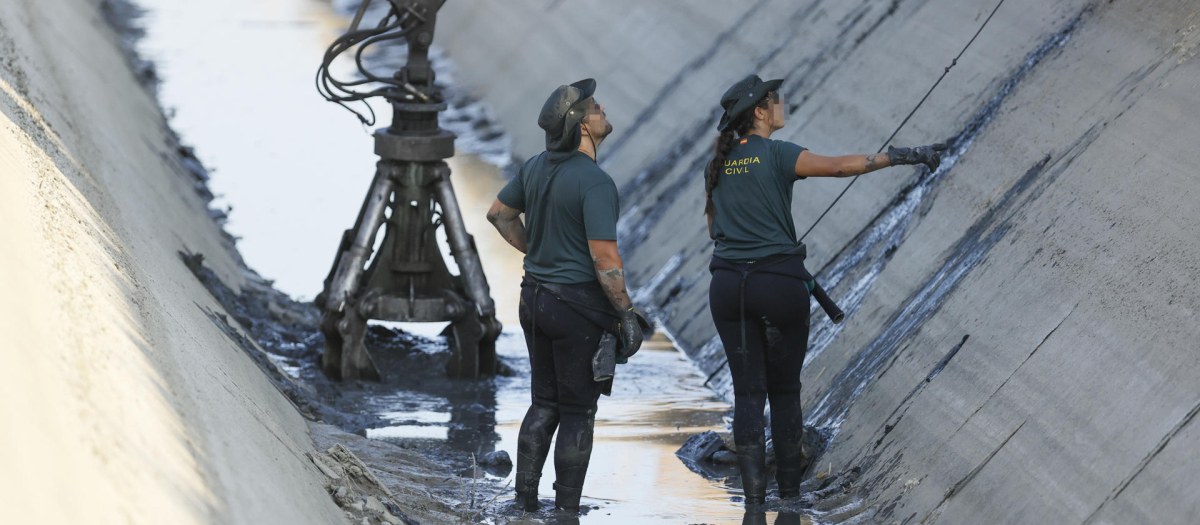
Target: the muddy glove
(631, 335)
(930, 156)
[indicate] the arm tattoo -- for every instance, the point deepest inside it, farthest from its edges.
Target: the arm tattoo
(612, 281)
(873, 162)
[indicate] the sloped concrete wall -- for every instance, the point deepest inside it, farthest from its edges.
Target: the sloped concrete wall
(122, 397)
(1021, 339)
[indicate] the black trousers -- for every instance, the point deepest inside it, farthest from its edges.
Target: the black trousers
(776, 297)
(561, 344)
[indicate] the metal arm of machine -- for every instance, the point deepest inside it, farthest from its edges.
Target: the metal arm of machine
(407, 280)
(463, 246)
(350, 265)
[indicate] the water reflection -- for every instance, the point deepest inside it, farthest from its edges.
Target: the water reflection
(783, 518)
(409, 432)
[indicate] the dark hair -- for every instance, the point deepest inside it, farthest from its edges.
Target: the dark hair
(721, 148)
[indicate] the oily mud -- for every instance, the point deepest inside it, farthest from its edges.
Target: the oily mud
(288, 334)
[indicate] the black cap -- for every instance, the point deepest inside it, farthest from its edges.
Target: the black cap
(744, 95)
(562, 113)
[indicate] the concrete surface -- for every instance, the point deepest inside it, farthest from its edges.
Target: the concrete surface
(1061, 239)
(122, 401)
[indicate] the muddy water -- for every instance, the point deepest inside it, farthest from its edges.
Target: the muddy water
(237, 76)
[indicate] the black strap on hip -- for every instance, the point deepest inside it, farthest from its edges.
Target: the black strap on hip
(818, 293)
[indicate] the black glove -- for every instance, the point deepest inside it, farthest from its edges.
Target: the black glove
(930, 156)
(631, 335)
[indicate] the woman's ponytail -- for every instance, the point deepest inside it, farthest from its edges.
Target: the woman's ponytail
(724, 144)
(712, 175)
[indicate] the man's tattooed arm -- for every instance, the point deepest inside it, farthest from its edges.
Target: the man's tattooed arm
(507, 221)
(611, 272)
(810, 164)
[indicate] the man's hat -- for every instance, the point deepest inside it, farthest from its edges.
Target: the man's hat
(562, 113)
(744, 95)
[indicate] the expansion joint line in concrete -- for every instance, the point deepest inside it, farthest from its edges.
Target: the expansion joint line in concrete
(953, 63)
(970, 475)
(1145, 462)
(1014, 372)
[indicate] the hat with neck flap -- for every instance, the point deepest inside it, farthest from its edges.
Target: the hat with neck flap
(563, 112)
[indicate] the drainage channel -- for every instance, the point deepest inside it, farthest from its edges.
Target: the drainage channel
(295, 167)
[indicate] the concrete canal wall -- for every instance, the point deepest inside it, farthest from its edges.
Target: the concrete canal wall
(1020, 344)
(124, 399)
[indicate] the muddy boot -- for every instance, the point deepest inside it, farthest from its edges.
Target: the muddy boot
(791, 462)
(752, 462)
(527, 491)
(567, 498)
(533, 445)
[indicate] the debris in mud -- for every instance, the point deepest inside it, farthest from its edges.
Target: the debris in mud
(356, 490)
(724, 457)
(710, 454)
(701, 447)
(496, 463)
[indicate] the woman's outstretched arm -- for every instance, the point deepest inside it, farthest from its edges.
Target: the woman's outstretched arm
(809, 164)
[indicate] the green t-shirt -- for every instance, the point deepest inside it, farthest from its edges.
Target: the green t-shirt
(579, 204)
(753, 200)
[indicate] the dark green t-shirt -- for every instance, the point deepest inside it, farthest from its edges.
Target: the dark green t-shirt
(567, 200)
(753, 200)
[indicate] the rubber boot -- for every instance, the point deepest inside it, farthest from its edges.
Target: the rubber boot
(527, 491)
(572, 453)
(790, 466)
(567, 498)
(533, 445)
(752, 462)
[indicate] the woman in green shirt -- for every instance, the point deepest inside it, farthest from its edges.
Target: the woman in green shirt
(758, 274)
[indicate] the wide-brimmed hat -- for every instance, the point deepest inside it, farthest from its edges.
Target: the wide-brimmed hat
(562, 113)
(745, 94)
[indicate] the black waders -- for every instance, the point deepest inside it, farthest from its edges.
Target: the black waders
(745, 299)
(562, 338)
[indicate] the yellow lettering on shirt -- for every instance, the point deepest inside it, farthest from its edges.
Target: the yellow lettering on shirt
(735, 167)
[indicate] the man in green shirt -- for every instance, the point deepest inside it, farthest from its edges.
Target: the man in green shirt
(573, 291)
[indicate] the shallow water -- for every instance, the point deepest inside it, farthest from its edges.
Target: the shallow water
(658, 401)
(237, 77)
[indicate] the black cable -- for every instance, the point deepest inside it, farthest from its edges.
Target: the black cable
(906, 119)
(885, 143)
(396, 23)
